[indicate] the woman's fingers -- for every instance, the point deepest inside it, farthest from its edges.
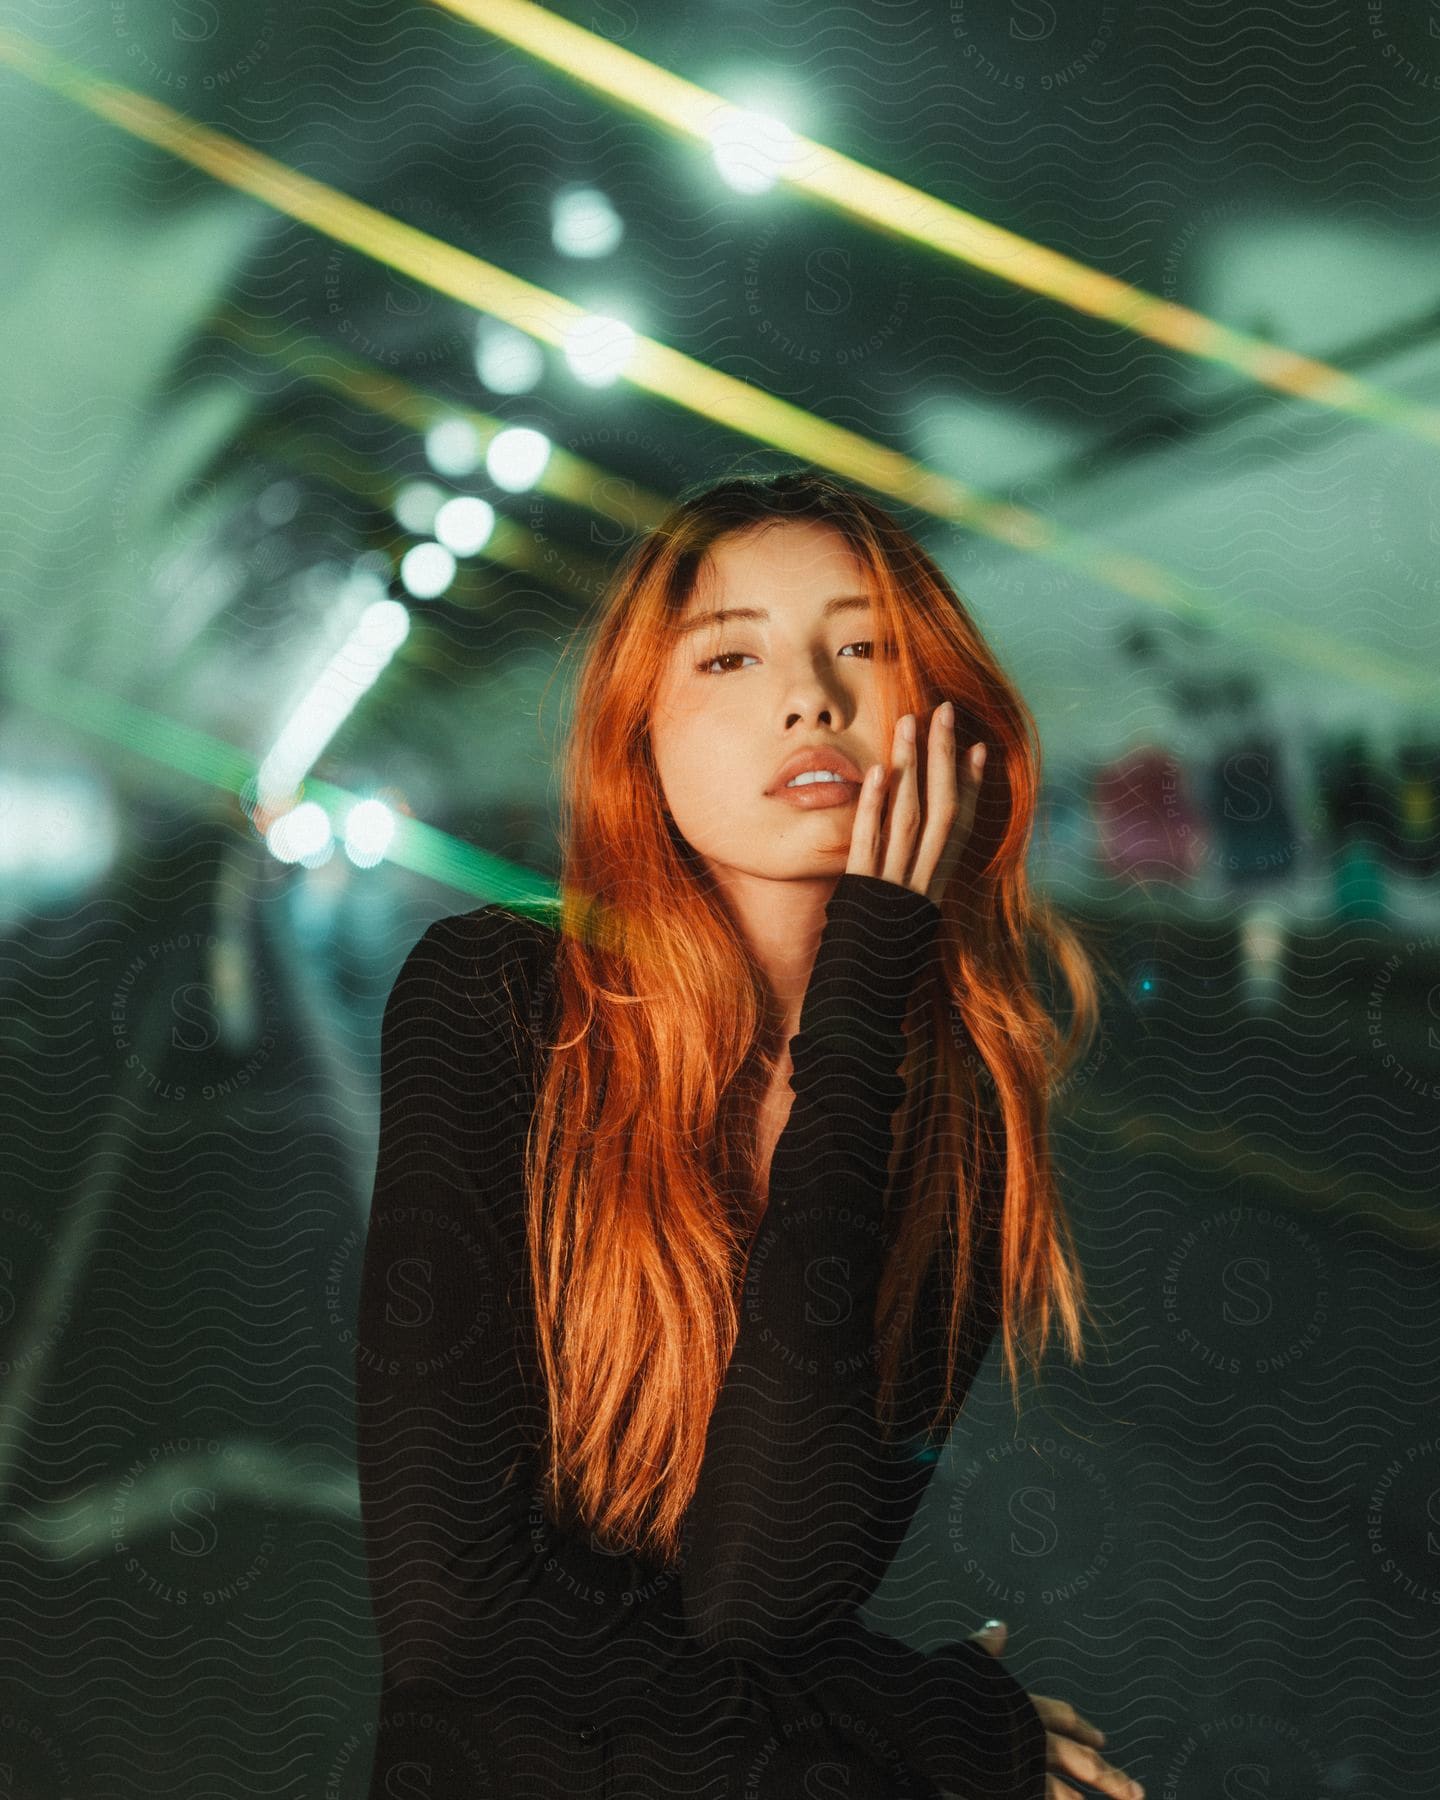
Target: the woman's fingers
(954, 774)
(1060, 1716)
(966, 774)
(914, 846)
(904, 818)
(1067, 1756)
(865, 832)
(1072, 1747)
(942, 803)
(1070, 1741)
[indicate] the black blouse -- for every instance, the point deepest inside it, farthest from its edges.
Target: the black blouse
(530, 1663)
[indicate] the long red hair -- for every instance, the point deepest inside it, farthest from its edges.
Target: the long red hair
(642, 1163)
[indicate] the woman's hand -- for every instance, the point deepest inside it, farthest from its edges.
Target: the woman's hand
(1070, 1741)
(915, 854)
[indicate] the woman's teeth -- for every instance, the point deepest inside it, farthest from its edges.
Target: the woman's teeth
(813, 775)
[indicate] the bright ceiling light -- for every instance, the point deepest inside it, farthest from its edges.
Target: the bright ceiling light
(584, 223)
(751, 150)
(507, 360)
(598, 348)
(426, 570)
(301, 835)
(516, 458)
(463, 525)
(417, 504)
(369, 829)
(453, 448)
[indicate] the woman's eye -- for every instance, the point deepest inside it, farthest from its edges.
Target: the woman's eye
(708, 668)
(730, 656)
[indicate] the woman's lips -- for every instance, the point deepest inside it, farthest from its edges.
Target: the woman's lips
(813, 795)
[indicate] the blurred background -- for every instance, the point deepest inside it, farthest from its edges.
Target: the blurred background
(344, 349)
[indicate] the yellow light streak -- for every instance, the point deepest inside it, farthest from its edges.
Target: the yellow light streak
(680, 379)
(897, 209)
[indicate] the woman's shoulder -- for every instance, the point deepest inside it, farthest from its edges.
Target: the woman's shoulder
(492, 961)
(490, 931)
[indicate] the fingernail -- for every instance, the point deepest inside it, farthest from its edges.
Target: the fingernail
(993, 1625)
(977, 758)
(907, 728)
(945, 714)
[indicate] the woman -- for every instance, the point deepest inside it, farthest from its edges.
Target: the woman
(699, 1201)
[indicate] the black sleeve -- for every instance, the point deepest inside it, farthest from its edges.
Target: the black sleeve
(800, 1504)
(462, 1583)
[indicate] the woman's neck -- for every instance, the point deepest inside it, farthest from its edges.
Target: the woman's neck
(782, 922)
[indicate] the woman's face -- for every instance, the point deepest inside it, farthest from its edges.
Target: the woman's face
(739, 697)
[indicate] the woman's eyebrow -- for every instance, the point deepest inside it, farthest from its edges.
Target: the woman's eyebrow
(841, 603)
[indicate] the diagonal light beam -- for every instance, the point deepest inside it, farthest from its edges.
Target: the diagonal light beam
(898, 209)
(680, 379)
